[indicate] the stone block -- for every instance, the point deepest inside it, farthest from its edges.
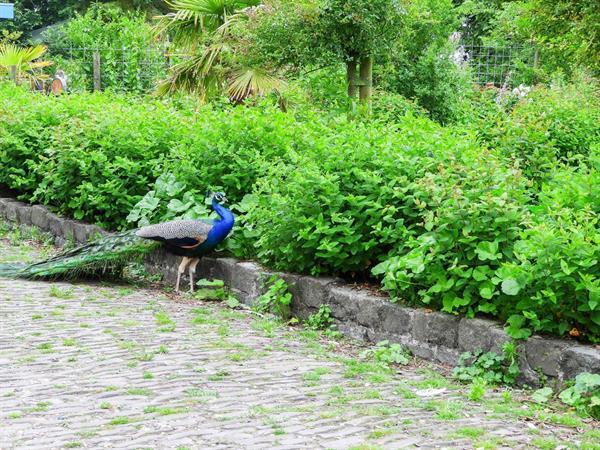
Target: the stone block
(80, 232)
(39, 217)
(436, 328)
(67, 229)
(344, 303)
(10, 211)
(3, 203)
(473, 334)
(420, 349)
(527, 376)
(24, 214)
(370, 309)
(448, 356)
(395, 319)
(579, 358)
(352, 330)
(498, 338)
(224, 269)
(544, 354)
(55, 225)
(246, 279)
(313, 292)
(94, 232)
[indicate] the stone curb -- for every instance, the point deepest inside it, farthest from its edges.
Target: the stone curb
(360, 314)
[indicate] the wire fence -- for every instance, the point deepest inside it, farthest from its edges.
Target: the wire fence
(138, 70)
(122, 69)
(498, 66)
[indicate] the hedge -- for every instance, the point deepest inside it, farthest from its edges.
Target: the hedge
(441, 216)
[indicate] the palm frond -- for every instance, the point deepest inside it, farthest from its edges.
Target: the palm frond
(190, 20)
(249, 81)
(196, 74)
(24, 59)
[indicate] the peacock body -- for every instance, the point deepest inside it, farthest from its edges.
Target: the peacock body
(190, 239)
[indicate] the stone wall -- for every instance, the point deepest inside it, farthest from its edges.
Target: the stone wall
(359, 314)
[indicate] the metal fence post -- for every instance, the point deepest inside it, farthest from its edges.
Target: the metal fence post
(13, 74)
(96, 60)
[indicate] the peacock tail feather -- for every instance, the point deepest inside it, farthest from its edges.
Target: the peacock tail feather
(106, 255)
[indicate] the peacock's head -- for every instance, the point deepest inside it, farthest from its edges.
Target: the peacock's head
(219, 197)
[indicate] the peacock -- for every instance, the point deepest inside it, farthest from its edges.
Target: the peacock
(190, 239)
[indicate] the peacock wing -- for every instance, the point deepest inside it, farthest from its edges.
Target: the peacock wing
(178, 233)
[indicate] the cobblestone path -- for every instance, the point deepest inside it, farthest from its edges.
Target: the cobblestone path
(111, 366)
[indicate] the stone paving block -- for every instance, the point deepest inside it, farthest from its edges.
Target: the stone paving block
(436, 336)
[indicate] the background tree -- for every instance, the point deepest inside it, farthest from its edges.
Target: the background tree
(292, 35)
(358, 30)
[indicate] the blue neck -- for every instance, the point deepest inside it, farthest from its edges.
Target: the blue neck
(225, 215)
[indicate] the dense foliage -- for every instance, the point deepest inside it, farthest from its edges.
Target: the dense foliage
(449, 218)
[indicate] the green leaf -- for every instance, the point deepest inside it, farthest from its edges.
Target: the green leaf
(487, 250)
(515, 327)
(510, 286)
(480, 273)
(486, 290)
(542, 395)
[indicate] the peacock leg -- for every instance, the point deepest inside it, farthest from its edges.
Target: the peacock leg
(192, 269)
(184, 262)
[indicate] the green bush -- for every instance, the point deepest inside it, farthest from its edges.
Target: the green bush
(93, 156)
(553, 124)
(341, 207)
(584, 395)
(434, 81)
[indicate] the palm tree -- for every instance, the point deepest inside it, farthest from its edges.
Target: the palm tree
(209, 61)
(25, 61)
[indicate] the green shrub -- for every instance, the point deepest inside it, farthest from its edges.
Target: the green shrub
(342, 207)
(584, 395)
(434, 81)
(230, 149)
(489, 367)
(277, 299)
(320, 320)
(93, 156)
(553, 124)
(556, 269)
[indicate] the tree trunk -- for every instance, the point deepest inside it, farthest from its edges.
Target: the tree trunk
(351, 78)
(366, 81)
